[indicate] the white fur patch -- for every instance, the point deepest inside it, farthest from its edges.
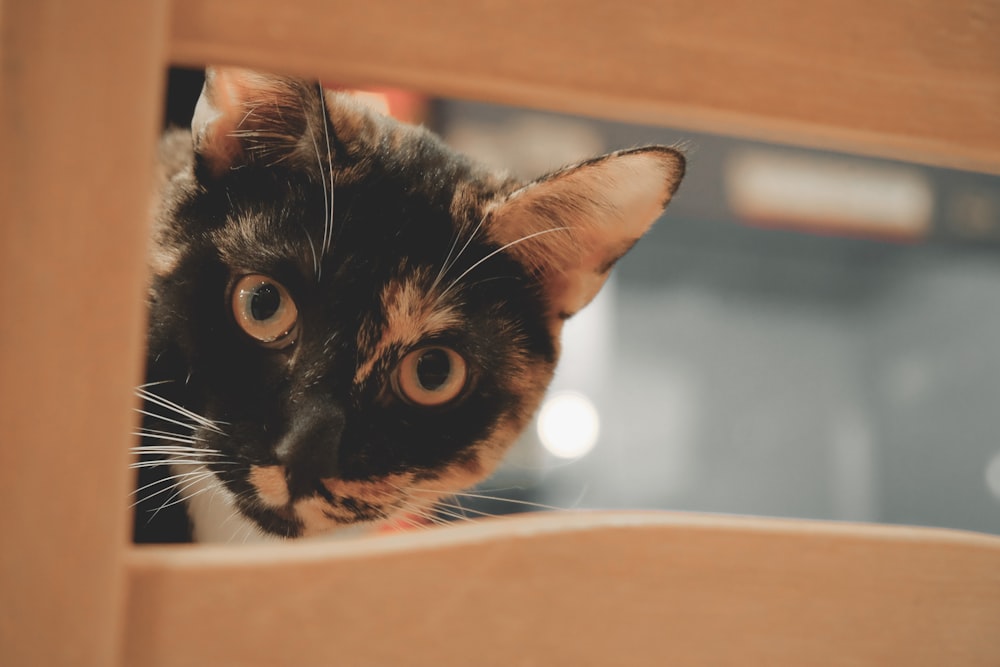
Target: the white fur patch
(213, 512)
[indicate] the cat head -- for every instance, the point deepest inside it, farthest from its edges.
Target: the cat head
(353, 318)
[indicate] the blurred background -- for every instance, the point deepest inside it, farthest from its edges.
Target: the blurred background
(804, 334)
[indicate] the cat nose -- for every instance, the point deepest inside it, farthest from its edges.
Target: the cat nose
(311, 447)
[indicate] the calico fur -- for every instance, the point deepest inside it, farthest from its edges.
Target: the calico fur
(389, 247)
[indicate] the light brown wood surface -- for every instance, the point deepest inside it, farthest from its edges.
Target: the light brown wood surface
(79, 104)
(579, 589)
(915, 79)
(79, 111)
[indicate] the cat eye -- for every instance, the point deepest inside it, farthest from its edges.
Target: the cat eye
(430, 376)
(264, 309)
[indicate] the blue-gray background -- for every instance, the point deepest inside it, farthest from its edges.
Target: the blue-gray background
(751, 371)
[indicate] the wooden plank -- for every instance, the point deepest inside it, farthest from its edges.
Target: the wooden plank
(80, 99)
(578, 589)
(911, 79)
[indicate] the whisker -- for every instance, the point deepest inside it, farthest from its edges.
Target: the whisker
(326, 205)
(312, 249)
(164, 436)
(513, 501)
(422, 513)
(446, 267)
(170, 405)
(445, 510)
(463, 516)
(178, 496)
(167, 419)
(156, 383)
(329, 162)
(145, 430)
(169, 478)
(169, 456)
(202, 474)
(458, 504)
(441, 505)
(231, 501)
(180, 461)
(216, 490)
(250, 530)
(498, 251)
(327, 239)
(162, 462)
(173, 449)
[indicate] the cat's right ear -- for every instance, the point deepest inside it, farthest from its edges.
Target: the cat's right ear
(244, 116)
(570, 227)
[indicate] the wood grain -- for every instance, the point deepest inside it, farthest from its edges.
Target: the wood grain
(80, 90)
(911, 79)
(578, 589)
(79, 105)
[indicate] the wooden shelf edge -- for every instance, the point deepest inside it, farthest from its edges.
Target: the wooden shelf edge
(542, 525)
(918, 90)
(578, 588)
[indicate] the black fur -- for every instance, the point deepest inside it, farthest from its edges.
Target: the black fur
(388, 226)
(413, 223)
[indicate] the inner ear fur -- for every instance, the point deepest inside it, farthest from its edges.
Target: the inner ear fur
(570, 227)
(244, 117)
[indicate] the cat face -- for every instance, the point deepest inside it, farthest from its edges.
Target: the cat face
(347, 319)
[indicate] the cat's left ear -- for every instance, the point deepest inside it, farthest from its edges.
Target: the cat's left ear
(244, 116)
(570, 227)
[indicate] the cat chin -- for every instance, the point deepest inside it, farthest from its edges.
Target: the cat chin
(343, 509)
(338, 509)
(216, 519)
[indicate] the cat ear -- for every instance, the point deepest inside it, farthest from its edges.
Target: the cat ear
(570, 227)
(244, 116)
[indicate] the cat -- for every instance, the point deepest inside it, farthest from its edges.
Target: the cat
(347, 319)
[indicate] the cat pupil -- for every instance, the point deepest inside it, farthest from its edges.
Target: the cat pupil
(433, 369)
(264, 303)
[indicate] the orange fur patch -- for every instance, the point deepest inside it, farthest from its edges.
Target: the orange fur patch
(270, 484)
(398, 495)
(413, 314)
(379, 492)
(312, 512)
